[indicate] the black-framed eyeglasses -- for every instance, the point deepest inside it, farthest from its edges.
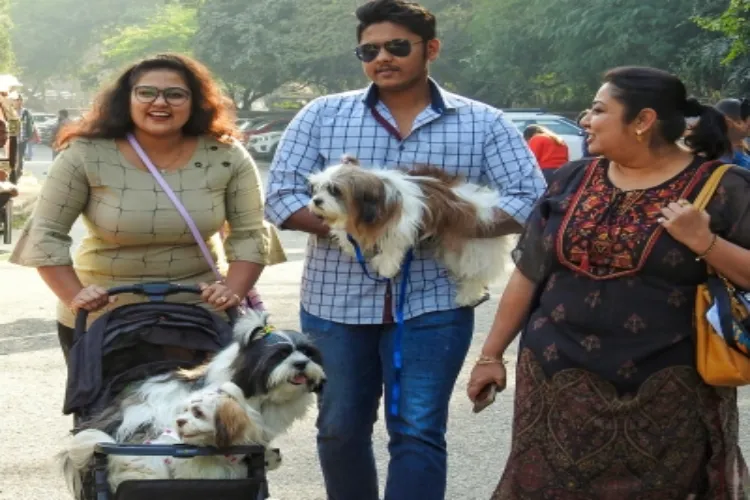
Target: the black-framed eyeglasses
(400, 47)
(176, 96)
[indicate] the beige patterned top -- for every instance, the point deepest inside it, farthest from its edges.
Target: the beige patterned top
(134, 233)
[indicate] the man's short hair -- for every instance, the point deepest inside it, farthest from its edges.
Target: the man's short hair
(736, 109)
(410, 15)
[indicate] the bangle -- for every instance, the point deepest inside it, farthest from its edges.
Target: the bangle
(708, 250)
(490, 360)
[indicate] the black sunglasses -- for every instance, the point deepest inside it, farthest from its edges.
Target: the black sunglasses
(400, 47)
(176, 96)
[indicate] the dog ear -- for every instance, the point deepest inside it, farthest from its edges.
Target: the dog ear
(318, 389)
(367, 202)
(348, 159)
(231, 422)
(369, 211)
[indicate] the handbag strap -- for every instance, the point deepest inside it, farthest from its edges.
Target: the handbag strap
(178, 205)
(707, 192)
(712, 184)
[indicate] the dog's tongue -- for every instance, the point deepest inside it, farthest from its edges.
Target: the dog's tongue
(299, 379)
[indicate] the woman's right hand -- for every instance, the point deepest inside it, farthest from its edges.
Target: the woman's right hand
(91, 298)
(483, 375)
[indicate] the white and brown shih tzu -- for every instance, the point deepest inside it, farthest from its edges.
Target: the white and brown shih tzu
(387, 212)
(209, 417)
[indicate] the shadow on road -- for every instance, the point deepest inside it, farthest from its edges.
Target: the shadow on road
(28, 334)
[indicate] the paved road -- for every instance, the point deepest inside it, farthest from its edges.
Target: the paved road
(32, 372)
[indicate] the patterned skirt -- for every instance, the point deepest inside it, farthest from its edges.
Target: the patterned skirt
(574, 438)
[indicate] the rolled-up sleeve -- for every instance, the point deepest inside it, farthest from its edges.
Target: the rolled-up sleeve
(45, 239)
(297, 156)
(250, 237)
(511, 168)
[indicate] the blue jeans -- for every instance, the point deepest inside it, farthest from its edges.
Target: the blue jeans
(357, 361)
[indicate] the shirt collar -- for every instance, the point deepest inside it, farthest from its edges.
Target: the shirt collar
(440, 100)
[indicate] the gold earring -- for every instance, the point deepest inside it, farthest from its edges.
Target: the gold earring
(639, 135)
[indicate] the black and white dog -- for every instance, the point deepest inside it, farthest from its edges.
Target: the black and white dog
(277, 370)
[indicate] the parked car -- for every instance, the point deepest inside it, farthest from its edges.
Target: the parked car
(567, 129)
(264, 138)
(247, 125)
(43, 118)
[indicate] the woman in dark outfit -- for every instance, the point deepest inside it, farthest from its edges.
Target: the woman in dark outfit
(608, 401)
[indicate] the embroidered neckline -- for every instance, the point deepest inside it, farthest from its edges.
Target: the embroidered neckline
(608, 232)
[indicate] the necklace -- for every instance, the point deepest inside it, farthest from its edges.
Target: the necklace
(177, 157)
(167, 167)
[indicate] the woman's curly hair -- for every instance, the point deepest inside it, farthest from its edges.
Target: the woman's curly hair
(110, 117)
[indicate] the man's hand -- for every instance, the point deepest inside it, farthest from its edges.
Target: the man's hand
(304, 220)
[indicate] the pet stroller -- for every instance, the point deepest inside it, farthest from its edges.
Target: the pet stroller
(129, 344)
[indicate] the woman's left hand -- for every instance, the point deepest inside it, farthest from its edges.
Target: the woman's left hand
(220, 296)
(688, 225)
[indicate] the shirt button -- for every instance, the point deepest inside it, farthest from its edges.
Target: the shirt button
(401, 147)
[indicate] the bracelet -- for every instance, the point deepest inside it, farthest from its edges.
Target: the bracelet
(489, 360)
(708, 250)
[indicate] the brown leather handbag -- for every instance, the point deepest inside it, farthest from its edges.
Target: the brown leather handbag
(722, 359)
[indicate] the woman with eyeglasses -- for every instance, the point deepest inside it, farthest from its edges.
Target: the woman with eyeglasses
(175, 111)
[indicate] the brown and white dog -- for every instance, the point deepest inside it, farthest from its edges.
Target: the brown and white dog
(387, 212)
(210, 417)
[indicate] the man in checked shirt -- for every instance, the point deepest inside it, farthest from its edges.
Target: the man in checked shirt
(403, 118)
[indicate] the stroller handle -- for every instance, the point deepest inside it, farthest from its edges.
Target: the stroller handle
(156, 292)
(175, 450)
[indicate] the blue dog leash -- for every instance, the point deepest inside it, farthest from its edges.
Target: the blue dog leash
(398, 361)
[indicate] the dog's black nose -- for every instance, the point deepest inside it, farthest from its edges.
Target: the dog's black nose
(300, 365)
(181, 422)
(318, 201)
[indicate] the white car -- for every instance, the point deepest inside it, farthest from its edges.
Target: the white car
(264, 145)
(263, 138)
(572, 134)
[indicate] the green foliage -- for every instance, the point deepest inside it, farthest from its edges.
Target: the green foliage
(520, 53)
(257, 46)
(6, 52)
(171, 29)
(734, 23)
(542, 53)
(54, 39)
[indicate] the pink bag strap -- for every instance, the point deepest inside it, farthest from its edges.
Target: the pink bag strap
(178, 205)
(253, 299)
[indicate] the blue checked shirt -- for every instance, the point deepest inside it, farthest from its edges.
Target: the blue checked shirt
(462, 136)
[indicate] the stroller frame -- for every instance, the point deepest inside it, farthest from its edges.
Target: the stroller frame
(255, 484)
(254, 457)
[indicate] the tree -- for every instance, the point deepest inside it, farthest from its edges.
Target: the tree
(731, 28)
(734, 23)
(535, 52)
(53, 39)
(172, 29)
(255, 47)
(6, 52)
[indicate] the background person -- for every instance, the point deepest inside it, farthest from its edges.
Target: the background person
(737, 115)
(550, 149)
